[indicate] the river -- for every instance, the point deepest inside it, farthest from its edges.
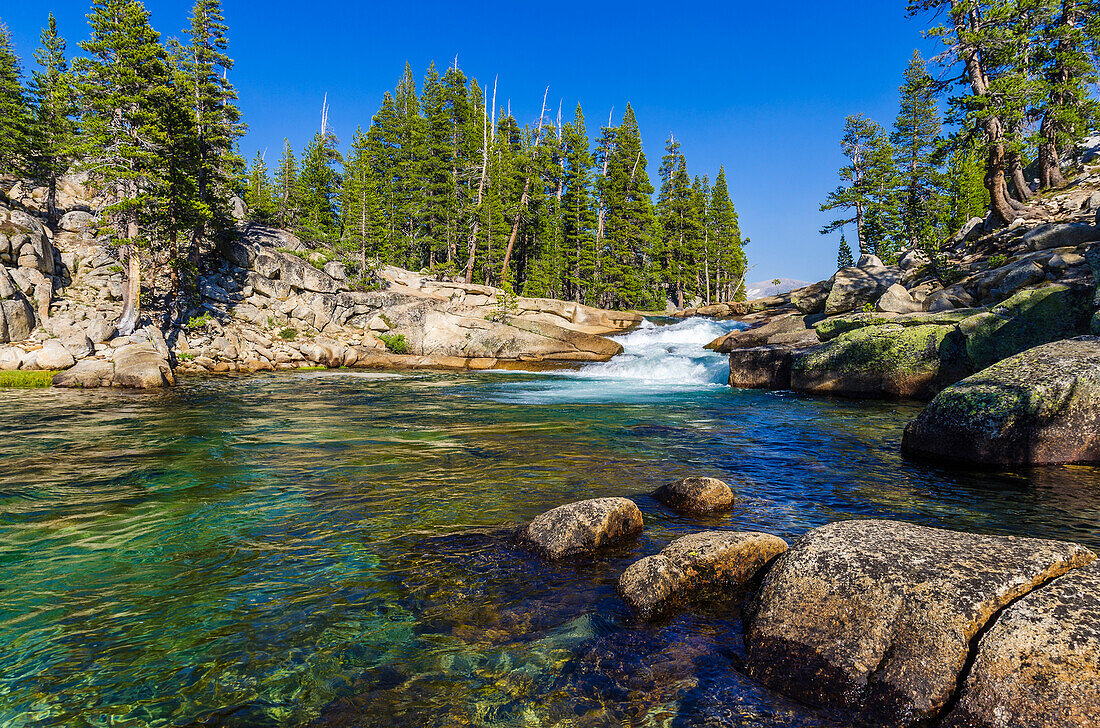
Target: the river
(325, 548)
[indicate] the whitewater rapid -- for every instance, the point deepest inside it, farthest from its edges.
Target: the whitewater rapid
(657, 360)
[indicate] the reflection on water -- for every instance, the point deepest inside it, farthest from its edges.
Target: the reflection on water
(333, 550)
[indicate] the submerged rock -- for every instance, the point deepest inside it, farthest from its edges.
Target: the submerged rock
(1040, 663)
(877, 616)
(696, 495)
(699, 562)
(583, 527)
(1041, 406)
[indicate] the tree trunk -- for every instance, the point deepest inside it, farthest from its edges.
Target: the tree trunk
(1022, 188)
(131, 293)
(1050, 171)
(962, 16)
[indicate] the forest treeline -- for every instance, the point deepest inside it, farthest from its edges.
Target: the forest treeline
(442, 178)
(1018, 78)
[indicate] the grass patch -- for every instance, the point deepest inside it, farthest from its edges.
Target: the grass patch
(26, 379)
(312, 369)
(288, 334)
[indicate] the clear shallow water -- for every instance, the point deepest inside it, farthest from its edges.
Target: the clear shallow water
(326, 549)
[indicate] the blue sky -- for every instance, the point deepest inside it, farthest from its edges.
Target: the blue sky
(760, 87)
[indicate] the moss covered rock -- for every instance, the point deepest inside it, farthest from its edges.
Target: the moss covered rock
(1029, 318)
(1041, 406)
(883, 361)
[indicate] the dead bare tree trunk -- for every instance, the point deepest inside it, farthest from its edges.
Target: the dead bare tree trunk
(131, 290)
(523, 197)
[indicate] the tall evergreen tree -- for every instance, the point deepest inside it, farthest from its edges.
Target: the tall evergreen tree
(364, 229)
(578, 212)
(286, 188)
(319, 188)
(725, 229)
(52, 99)
(916, 141)
(217, 123)
(125, 91)
(258, 195)
(15, 117)
(844, 253)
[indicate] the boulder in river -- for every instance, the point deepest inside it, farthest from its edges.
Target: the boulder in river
(707, 561)
(877, 616)
(695, 495)
(762, 367)
(583, 527)
(1040, 663)
(1041, 406)
(889, 360)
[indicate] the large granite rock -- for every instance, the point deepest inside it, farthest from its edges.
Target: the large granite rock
(762, 367)
(1027, 319)
(896, 299)
(882, 361)
(1040, 663)
(16, 319)
(877, 617)
(1062, 234)
(1041, 406)
(583, 527)
(695, 495)
(702, 562)
(142, 365)
(811, 299)
(858, 285)
(783, 329)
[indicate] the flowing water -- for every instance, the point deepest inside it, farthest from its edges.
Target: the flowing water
(333, 548)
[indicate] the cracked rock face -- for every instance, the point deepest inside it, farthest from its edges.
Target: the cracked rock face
(877, 616)
(711, 560)
(583, 527)
(696, 495)
(1040, 663)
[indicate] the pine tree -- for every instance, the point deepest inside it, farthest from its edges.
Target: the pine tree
(700, 196)
(125, 93)
(725, 230)
(286, 188)
(408, 174)
(364, 228)
(967, 194)
(258, 195)
(436, 167)
(871, 178)
(15, 117)
(844, 254)
(52, 99)
(318, 189)
(631, 223)
(216, 119)
(916, 142)
(578, 213)
(679, 226)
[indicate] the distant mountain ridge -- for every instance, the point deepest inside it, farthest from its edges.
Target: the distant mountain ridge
(760, 289)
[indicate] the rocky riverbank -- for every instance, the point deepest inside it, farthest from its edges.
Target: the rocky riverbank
(884, 623)
(266, 301)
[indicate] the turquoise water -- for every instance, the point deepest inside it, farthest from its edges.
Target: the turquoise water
(331, 548)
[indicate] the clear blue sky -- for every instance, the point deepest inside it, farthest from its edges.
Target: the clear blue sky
(761, 87)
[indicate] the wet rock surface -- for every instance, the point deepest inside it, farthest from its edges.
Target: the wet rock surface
(582, 528)
(696, 495)
(876, 617)
(1041, 406)
(712, 561)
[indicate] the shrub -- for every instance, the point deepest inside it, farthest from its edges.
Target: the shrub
(385, 319)
(288, 334)
(199, 322)
(507, 305)
(26, 379)
(395, 343)
(998, 260)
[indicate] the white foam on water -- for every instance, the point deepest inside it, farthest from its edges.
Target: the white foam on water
(657, 360)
